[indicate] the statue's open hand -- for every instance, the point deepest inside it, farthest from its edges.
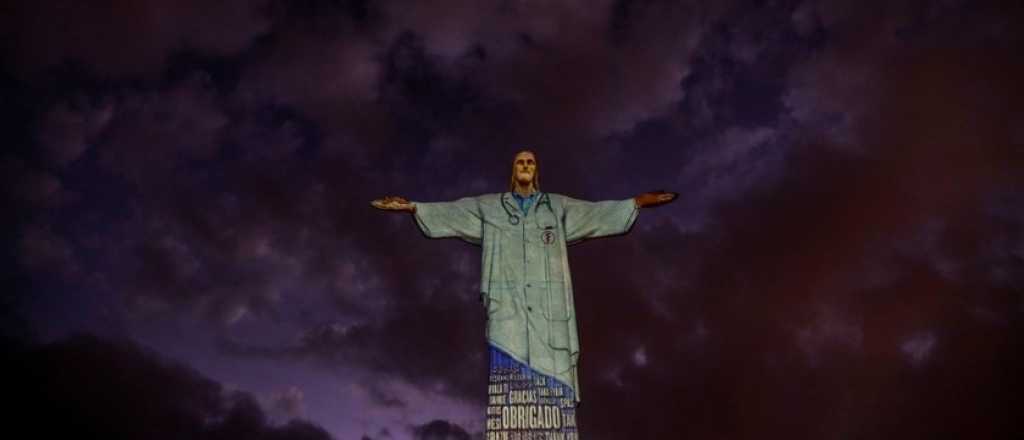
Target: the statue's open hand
(394, 203)
(655, 198)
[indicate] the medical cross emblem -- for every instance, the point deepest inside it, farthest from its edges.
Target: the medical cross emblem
(548, 237)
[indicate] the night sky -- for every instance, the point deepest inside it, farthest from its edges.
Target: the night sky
(191, 253)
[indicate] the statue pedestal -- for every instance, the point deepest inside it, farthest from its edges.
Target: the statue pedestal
(526, 405)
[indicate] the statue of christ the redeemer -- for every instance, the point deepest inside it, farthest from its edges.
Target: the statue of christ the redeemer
(526, 288)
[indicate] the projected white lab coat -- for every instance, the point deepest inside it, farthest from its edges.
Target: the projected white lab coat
(525, 282)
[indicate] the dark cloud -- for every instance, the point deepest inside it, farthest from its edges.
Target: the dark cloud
(812, 300)
(289, 402)
(68, 128)
(435, 322)
(440, 430)
(103, 389)
(154, 134)
(124, 38)
(384, 398)
(384, 434)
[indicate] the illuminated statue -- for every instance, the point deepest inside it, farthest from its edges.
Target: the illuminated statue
(525, 284)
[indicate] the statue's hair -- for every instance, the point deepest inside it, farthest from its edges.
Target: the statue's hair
(536, 172)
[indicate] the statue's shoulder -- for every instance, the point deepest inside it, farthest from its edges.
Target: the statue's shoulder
(557, 197)
(488, 201)
(557, 201)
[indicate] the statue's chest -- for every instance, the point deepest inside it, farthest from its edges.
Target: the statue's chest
(539, 227)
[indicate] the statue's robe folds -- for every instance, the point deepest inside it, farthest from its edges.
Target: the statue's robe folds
(525, 282)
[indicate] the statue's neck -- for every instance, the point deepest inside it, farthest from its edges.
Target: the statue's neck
(525, 190)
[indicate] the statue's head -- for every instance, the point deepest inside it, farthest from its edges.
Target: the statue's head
(524, 170)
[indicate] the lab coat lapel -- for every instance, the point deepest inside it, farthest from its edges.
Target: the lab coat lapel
(511, 203)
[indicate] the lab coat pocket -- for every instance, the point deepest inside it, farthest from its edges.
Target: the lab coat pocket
(557, 307)
(547, 221)
(559, 334)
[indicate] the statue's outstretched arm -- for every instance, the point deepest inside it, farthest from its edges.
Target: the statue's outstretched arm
(394, 203)
(654, 198)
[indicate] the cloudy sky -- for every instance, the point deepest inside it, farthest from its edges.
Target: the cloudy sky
(193, 253)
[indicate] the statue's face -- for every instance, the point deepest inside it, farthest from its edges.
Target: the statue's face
(524, 167)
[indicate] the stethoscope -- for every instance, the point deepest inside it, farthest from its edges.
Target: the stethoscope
(513, 218)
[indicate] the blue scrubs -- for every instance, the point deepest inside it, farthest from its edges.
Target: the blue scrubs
(525, 202)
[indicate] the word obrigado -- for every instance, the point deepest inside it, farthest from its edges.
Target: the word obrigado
(528, 417)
